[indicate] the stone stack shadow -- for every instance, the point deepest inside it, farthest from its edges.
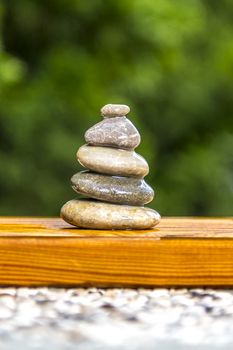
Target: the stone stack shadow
(113, 183)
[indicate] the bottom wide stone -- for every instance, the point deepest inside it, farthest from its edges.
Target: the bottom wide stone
(101, 215)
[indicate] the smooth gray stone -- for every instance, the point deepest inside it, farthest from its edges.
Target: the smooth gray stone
(114, 110)
(113, 189)
(112, 161)
(99, 215)
(114, 132)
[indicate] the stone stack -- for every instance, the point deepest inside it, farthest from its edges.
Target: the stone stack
(114, 180)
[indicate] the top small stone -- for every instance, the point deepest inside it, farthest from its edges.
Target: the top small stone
(114, 110)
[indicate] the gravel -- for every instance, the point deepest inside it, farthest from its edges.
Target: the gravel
(132, 319)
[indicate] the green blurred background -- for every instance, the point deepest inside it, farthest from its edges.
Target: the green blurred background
(171, 61)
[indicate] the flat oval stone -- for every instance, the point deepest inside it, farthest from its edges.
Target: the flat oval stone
(114, 189)
(114, 132)
(112, 161)
(114, 110)
(98, 215)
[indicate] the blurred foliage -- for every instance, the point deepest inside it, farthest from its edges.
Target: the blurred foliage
(171, 61)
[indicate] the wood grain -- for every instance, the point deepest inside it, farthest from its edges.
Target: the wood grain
(179, 252)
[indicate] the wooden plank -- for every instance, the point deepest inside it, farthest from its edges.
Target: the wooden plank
(179, 252)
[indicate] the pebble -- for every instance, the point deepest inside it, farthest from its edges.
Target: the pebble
(8, 301)
(100, 215)
(113, 189)
(114, 110)
(114, 132)
(5, 312)
(68, 323)
(112, 161)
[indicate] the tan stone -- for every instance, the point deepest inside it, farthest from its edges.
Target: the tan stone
(114, 110)
(112, 161)
(99, 215)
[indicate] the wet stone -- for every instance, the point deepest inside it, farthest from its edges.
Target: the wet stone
(114, 189)
(112, 161)
(100, 215)
(114, 132)
(114, 110)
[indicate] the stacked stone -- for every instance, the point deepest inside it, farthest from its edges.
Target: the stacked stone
(114, 182)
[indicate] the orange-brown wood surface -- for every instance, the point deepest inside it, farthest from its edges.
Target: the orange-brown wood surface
(178, 252)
